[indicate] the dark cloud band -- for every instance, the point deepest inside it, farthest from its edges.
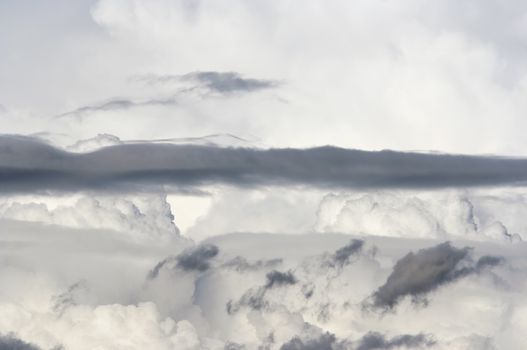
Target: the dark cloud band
(28, 165)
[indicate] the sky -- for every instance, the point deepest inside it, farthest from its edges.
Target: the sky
(263, 174)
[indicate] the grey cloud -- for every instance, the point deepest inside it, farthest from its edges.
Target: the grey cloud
(255, 297)
(28, 165)
(241, 264)
(194, 259)
(69, 297)
(370, 341)
(10, 342)
(277, 278)
(326, 341)
(374, 340)
(342, 256)
(229, 82)
(198, 258)
(234, 346)
(214, 82)
(418, 274)
(118, 104)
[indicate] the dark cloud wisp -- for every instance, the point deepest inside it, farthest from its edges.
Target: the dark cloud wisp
(418, 274)
(117, 105)
(193, 259)
(374, 340)
(28, 165)
(214, 82)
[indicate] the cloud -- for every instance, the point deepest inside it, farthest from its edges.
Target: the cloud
(114, 305)
(241, 264)
(229, 82)
(418, 274)
(214, 82)
(141, 218)
(277, 278)
(423, 214)
(326, 341)
(374, 340)
(255, 297)
(117, 105)
(28, 165)
(370, 341)
(192, 259)
(342, 256)
(223, 83)
(10, 342)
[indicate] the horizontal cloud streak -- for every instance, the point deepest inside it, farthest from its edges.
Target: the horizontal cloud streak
(28, 165)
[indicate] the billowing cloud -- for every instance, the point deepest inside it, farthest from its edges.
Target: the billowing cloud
(143, 217)
(418, 274)
(422, 214)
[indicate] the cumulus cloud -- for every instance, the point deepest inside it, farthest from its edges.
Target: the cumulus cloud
(143, 217)
(418, 274)
(92, 234)
(421, 214)
(189, 308)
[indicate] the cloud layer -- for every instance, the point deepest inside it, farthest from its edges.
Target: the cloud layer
(28, 165)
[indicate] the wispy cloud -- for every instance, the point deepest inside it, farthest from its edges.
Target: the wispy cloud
(213, 82)
(117, 105)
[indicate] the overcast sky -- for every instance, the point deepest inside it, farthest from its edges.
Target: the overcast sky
(263, 174)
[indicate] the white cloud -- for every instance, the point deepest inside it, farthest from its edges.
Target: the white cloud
(432, 214)
(140, 217)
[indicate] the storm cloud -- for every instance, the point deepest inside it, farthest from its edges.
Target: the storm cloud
(418, 274)
(28, 165)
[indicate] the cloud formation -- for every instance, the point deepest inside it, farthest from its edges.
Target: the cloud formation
(214, 82)
(28, 165)
(374, 340)
(475, 215)
(9, 342)
(418, 274)
(193, 259)
(118, 104)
